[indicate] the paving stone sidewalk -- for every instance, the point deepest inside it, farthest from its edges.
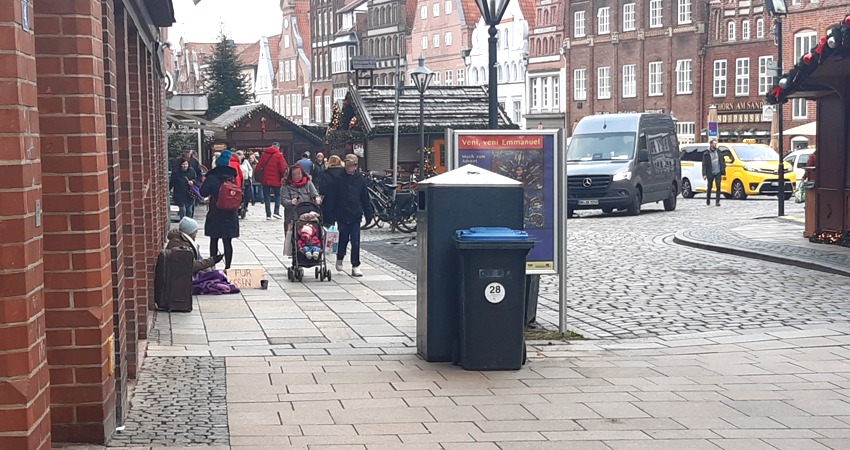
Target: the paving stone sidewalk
(771, 239)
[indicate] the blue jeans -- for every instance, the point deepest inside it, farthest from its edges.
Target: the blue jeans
(257, 192)
(349, 232)
(267, 193)
(187, 209)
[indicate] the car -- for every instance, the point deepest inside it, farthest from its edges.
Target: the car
(751, 169)
(622, 161)
(798, 159)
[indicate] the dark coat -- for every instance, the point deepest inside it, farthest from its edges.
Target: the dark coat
(706, 164)
(193, 165)
(325, 182)
(176, 239)
(219, 224)
(273, 166)
(179, 183)
(352, 199)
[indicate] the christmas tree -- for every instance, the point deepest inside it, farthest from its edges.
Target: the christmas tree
(225, 84)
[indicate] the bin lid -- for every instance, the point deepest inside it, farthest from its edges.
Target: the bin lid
(491, 234)
(470, 175)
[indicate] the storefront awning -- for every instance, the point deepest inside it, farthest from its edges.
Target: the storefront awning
(190, 121)
(809, 129)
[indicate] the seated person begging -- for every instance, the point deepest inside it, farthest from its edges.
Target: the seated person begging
(184, 236)
(309, 243)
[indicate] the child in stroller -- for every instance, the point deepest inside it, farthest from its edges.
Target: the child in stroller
(309, 243)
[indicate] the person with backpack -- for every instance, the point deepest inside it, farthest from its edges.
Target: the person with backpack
(270, 171)
(225, 197)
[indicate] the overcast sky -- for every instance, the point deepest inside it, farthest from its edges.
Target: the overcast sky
(244, 20)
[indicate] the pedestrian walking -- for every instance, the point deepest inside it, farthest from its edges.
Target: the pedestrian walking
(220, 225)
(326, 184)
(352, 204)
(713, 170)
(194, 164)
(181, 183)
(296, 189)
(270, 170)
(247, 188)
(256, 183)
(319, 164)
(306, 163)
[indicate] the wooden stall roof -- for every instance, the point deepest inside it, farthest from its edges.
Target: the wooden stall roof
(238, 115)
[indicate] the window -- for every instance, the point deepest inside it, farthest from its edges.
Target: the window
(685, 132)
(803, 43)
(437, 78)
(436, 40)
(684, 11)
(501, 74)
(765, 74)
(760, 29)
(603, 82)
(745, 30)
(656, 14)
(578, 24)
(556, 91)
(318, 108)
(448, 38)
(517, 111)
(730, 31)
(436, 10)
(720, 78)
(448, 77)
(579, 84)
(546, 98)
(448, 6)
(288, 105)
(603, 17)
(286, 72)
(656, 78)
(742, 76)
(424, 42)
(629, 81)
(423, 12)
(461, 76)
(286, 41)
(327, 107)
(535, 90)
(684, 85)
(504, 40)
(629, 17)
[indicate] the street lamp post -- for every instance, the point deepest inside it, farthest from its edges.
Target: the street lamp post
(492, 12)
(421, 78)
(777, 10)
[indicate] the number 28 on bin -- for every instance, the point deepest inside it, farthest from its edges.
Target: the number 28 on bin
(494, 292)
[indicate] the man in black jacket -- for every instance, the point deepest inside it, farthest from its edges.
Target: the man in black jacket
(713, 170)
(352, 203)
(194, 164)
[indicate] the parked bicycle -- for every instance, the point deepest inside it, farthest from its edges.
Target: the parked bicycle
(399, 212)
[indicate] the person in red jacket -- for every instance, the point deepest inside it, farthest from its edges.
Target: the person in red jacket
(272, 167)
(234, 162)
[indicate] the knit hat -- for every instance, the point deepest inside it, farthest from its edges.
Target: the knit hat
(188, 226)
(307, 229)
(223, 159)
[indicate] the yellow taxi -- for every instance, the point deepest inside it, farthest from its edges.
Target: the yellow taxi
(751, 169)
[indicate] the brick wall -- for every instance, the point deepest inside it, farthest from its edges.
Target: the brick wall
(24, 396)
(77, 260)
(133, 185)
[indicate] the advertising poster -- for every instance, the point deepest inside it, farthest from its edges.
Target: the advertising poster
(531, 159)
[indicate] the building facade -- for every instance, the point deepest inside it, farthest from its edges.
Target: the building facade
(353, 20)
(442, 30)
(323, 29)
(295, 68)
(549, 59)
(265, 80)
(737, 74)
(806, 22)
(386, 39)
(512, 58)
(84, 210)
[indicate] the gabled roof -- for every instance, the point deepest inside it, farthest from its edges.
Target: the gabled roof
(528, 12)
(351, 5)
(445, 106)
(238, 114)
(250, 55)
(470, 14)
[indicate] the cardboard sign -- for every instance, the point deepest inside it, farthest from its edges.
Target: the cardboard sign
(246, 277)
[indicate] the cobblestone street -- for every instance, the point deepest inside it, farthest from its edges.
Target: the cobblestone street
(690, 349)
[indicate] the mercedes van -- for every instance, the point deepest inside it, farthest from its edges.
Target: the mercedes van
(623, 161)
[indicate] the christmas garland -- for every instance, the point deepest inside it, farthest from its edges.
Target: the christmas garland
(836, 43)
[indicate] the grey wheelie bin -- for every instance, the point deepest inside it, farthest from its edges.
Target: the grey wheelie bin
(492, 304)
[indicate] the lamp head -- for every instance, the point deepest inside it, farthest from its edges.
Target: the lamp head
(776, 7)
(492, 10)
(421, 76)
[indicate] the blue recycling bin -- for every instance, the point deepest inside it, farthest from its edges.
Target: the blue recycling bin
(492, 301)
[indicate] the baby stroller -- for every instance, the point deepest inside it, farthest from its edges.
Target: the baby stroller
(299, 260)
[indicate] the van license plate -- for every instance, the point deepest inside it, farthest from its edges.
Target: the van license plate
(775, 183)
(588, 202)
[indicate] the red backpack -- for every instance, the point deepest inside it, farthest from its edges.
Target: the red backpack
(229, 196)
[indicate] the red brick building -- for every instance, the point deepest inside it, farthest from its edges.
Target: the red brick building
(806, 23)
(295, 71)
(635, 57)
(387, 36)
(322, 31)
(83, 209)
(738, 55)
(549, 63)
(441, 30)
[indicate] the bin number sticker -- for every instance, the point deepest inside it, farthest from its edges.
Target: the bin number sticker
(494, 292)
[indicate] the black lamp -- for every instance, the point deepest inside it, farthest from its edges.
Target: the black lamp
(492, 12)
(422, 77)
